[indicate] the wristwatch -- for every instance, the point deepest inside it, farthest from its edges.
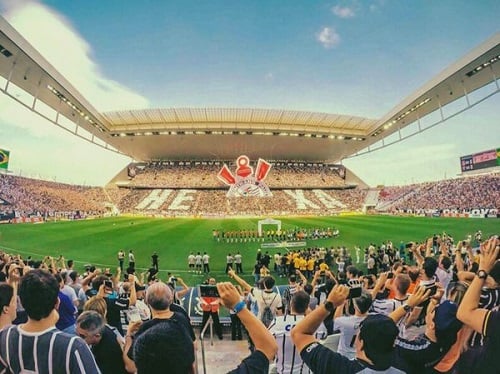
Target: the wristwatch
(407, 308)
(329, 306)
(481, 274)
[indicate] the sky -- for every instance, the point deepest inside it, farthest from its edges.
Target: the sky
(355, 57)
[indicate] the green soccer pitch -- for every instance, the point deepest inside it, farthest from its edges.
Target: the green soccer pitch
(98, 241)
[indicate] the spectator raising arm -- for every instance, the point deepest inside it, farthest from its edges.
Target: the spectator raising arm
(468, 311)
(241, 281)
(185, 288)
(414, 300)
(380, 285)
(261, 337)
(303, 332)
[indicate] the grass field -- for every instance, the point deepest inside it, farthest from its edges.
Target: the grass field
(98, 241)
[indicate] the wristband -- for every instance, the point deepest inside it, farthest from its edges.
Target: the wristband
(239, 307)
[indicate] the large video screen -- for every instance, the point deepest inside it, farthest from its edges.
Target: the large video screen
(481, 160)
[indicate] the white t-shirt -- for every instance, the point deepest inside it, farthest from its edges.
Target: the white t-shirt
(348, 327)
(266, 298)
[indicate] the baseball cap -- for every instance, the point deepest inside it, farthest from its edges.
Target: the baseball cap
(378, 333)
(445, 315)
(446, 324)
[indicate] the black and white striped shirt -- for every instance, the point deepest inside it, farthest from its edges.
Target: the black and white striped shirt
(46, 352)
(288, 359)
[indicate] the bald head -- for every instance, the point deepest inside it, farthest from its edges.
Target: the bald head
(159, 296)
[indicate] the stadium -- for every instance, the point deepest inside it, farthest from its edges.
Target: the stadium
(239, 180)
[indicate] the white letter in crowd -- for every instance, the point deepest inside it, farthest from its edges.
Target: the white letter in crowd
(327, 200)
(154, 200)
(300, 200)
(181, 197)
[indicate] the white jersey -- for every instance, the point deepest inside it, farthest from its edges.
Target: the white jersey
(288, 359)
(237, 259)
(191, 259)
(348, 327)
(387, 306)
(206, 259)
(198, 259)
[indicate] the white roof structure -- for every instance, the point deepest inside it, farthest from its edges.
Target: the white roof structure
(225, 133)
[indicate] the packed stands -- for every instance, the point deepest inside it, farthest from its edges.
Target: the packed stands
(43, 198)
(215, 202)
(37, 197)
(482, 191)
(203, 174)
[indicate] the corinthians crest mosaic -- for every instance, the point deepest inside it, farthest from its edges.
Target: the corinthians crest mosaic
(244, 182)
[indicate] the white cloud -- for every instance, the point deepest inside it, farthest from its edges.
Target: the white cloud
(269, 77)
(328, 37)
(56, 39)
(343, 12)
(38, 147)
(377, 5)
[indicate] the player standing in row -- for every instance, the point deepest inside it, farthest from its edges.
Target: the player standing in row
(206, 263)
(229, 262)
(198, 261)
(191, 262)
(238, 263)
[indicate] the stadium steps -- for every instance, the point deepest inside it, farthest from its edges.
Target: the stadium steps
(223, 356)
(383, 206)
(371, 198)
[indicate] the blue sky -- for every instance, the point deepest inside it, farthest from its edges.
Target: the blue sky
(346, 57)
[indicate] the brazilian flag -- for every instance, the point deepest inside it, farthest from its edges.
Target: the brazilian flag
(4, 159)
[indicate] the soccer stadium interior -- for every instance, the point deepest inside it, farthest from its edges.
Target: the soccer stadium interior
(187, 160)
(180, 151)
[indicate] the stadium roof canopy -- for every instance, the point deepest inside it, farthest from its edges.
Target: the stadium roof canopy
(225, 133)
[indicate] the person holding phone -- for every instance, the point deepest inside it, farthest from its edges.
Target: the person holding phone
(104, 287)
(210, 303)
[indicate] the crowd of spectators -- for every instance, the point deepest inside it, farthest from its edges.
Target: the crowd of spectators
(204, 174)
(30, 197)
(482, 191)
(431, 309)
(215, 202)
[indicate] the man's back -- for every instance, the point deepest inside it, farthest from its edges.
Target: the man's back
(49, 351)
(108, 353)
